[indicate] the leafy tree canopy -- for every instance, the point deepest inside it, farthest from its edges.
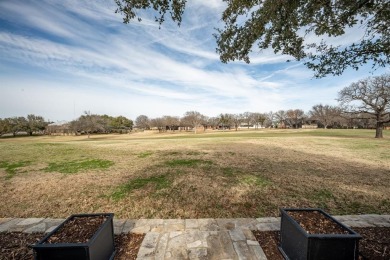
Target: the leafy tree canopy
(284, 25)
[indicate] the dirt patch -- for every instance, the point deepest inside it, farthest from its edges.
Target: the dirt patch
(375, 243)
(314, 222)
(127, 246)
(269, 241)
(15, 245)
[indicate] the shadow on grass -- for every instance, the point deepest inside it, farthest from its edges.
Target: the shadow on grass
(215, 185)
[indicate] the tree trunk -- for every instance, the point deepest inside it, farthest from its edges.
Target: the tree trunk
(379, 130)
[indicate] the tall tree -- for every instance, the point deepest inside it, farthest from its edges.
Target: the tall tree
(121, 123)
(142, 122)
(271, 118)
(370, 96)
(159, 123)
(213, 122)
(225, 120)
(325, 114)
(294, 117)
(259, 119)
(248, 118)
(35, 123)
(89, 123)
(236, 120)
(281, 117)
(4, 126)
(193, 119)
(287, 26)
(16, 124)
(171, 122)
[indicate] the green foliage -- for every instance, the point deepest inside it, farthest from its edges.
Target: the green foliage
(286, 26)
(159, 182)
(129, 9)
(35, 123)
(121, 122)
(14, 125)
(12, 167)
(77, 166)
(187, 162)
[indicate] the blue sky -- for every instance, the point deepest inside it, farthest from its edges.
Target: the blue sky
(61, 58)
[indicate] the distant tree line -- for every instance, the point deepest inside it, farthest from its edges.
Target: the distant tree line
(322, 116)
(92, 123)
(31, 124)
(364, 104)
(85, 124)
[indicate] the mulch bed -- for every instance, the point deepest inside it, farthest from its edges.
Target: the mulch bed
(127, 246)
(77, 230)
(375, 243)
(14, 245)
(314, 222)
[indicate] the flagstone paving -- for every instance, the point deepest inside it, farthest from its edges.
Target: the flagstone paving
(192, 238)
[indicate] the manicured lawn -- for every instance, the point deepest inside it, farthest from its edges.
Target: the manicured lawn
(183, 175)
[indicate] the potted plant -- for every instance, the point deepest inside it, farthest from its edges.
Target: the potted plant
(81, 236)
(314, 234)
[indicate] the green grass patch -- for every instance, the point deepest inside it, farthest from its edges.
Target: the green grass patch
(145, 154)
(159, 182)
(77, 166)
(11, 168)
(228, 171)
(187, 162)
(251, 180)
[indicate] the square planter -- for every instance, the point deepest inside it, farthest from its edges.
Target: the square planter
(98, 247)
(298, 243)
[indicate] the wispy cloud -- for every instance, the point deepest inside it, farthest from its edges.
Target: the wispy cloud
(80, 54)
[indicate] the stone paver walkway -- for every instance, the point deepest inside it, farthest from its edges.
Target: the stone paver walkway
(192, 238)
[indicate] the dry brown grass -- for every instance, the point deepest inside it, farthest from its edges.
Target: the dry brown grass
(180, 175)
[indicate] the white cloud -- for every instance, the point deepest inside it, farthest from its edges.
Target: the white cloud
(79, 52)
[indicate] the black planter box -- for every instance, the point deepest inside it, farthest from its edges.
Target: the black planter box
(296, 243)
(99, 247)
